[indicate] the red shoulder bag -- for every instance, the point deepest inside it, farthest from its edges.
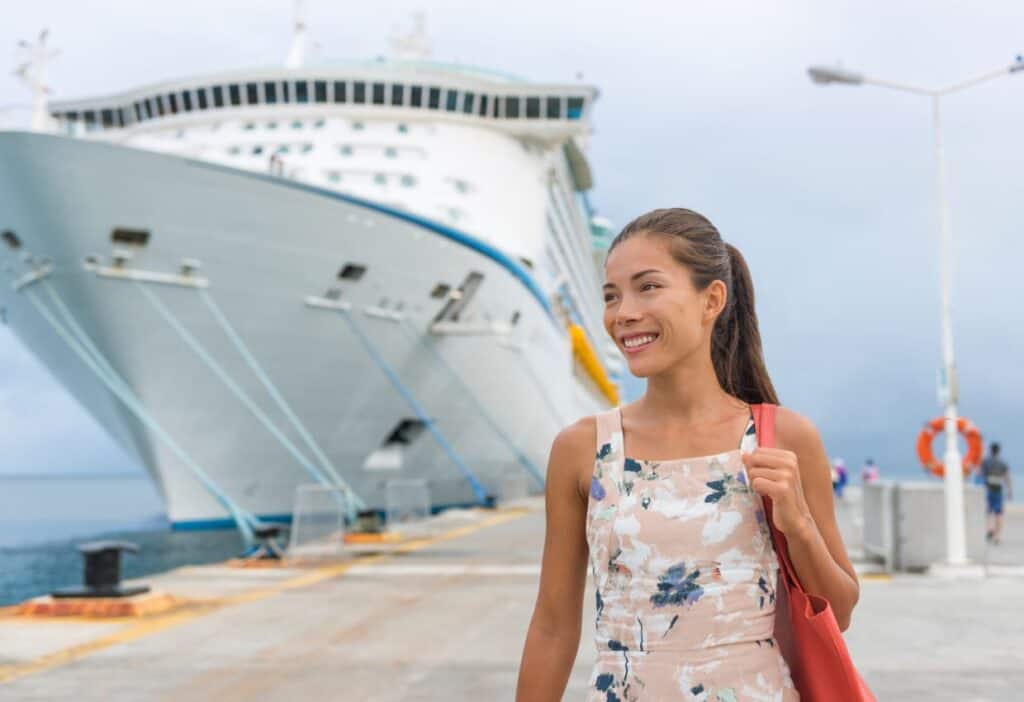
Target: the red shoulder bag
(805, 625)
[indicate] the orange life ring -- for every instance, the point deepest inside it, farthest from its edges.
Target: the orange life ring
(966, 428)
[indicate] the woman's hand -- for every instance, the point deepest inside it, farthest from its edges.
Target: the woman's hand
(775, 473)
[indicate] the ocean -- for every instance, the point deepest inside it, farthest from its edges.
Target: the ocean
(43, 519)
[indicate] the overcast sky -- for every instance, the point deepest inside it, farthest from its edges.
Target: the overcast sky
(829, 192)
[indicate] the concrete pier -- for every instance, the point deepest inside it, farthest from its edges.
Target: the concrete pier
(445, 618)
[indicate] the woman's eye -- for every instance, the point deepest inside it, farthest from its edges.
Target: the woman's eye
(644, 286)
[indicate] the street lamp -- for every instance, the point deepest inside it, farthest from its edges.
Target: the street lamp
(956, 542)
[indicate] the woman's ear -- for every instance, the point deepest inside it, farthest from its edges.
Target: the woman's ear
(715, 297)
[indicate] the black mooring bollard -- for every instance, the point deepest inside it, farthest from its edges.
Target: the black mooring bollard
(102, 577)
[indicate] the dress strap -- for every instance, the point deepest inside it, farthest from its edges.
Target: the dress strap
(749, 441)
(609, 436)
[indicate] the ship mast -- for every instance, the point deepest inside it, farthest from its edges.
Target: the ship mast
(33, 71)
(297, 54)
(414, 45)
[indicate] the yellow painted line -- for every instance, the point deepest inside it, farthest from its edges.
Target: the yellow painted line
(159, 623)
(876, 577)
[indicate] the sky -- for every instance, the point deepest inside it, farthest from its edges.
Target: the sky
(828, 191)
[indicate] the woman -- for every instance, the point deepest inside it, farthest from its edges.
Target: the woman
(679, 549)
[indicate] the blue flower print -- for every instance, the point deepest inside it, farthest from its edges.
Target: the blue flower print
(676, 587)
(596, 489)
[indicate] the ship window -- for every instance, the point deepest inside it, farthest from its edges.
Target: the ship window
(380, 179)
(378, 93)
(11, 239)
(345, 150)
(554, 108)
(398, 95)
(515, 318)
(495, 105)
(148, 104)
(334, 176)
(434, 98)
(270, 92)
(257, 150)
(306, 148)
(359, 93)
(340, 93)
(416, 96)
(319, 124)
(201, 95)
(271, 125)
(532, 107)
(297, 124)
(461, 186)
(138, 112)
(391, 152)
(186, 101)
(252, 93)
(283, 149)
(512, 107)
(526, 262)
(403, 128)
(218, 96)
(172, 103)
(249, 126)
(467, 105)
(234, 151)
(440, 291)
(235, 93)
(408, 180)
(320, 91)
(135, 237)
(352, 271)
(301, 91)
(160, 105)
(406, 432)
(483, 106)
(452, 101)
(120, 116)
(286, 92)
(358, 126)
(575, 107)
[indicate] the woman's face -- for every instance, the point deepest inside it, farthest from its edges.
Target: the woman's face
(652, 310)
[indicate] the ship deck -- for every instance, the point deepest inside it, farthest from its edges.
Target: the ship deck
(445, 618)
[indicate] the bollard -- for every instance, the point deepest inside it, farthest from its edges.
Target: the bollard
(102, 577)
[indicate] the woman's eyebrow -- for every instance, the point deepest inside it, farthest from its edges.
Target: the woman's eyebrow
(634, 276)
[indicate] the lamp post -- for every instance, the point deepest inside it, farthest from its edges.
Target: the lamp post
(956, 542)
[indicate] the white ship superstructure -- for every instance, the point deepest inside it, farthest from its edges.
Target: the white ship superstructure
(345, 274)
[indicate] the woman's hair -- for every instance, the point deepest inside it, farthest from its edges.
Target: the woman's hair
(694, 243)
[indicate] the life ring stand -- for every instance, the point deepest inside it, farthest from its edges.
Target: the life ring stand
(966, 428)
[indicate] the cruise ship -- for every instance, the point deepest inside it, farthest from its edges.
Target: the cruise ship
(347, 274)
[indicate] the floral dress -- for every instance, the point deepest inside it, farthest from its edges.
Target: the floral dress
(685, 576)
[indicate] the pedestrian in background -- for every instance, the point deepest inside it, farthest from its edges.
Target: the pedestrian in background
(869, 473)
(996, 475)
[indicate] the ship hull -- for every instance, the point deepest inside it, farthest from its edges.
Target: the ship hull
(254, 394)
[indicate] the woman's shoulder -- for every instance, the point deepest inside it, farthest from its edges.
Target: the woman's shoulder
(794, 431)
(573, 451)
(580, 437)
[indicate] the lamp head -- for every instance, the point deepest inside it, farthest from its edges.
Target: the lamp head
(824, 76)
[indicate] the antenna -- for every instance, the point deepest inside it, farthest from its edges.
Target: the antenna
(297, 54)
(415, 44)
(32, 69)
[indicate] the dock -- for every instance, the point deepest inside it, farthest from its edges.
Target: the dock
(445, 617)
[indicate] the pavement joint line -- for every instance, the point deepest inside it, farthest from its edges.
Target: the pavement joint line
(9, 673)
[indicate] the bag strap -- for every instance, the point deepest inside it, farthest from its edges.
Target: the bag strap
(764, 426)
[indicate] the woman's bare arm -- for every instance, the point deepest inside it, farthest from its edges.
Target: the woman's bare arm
(818, 554)
(554, 634)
